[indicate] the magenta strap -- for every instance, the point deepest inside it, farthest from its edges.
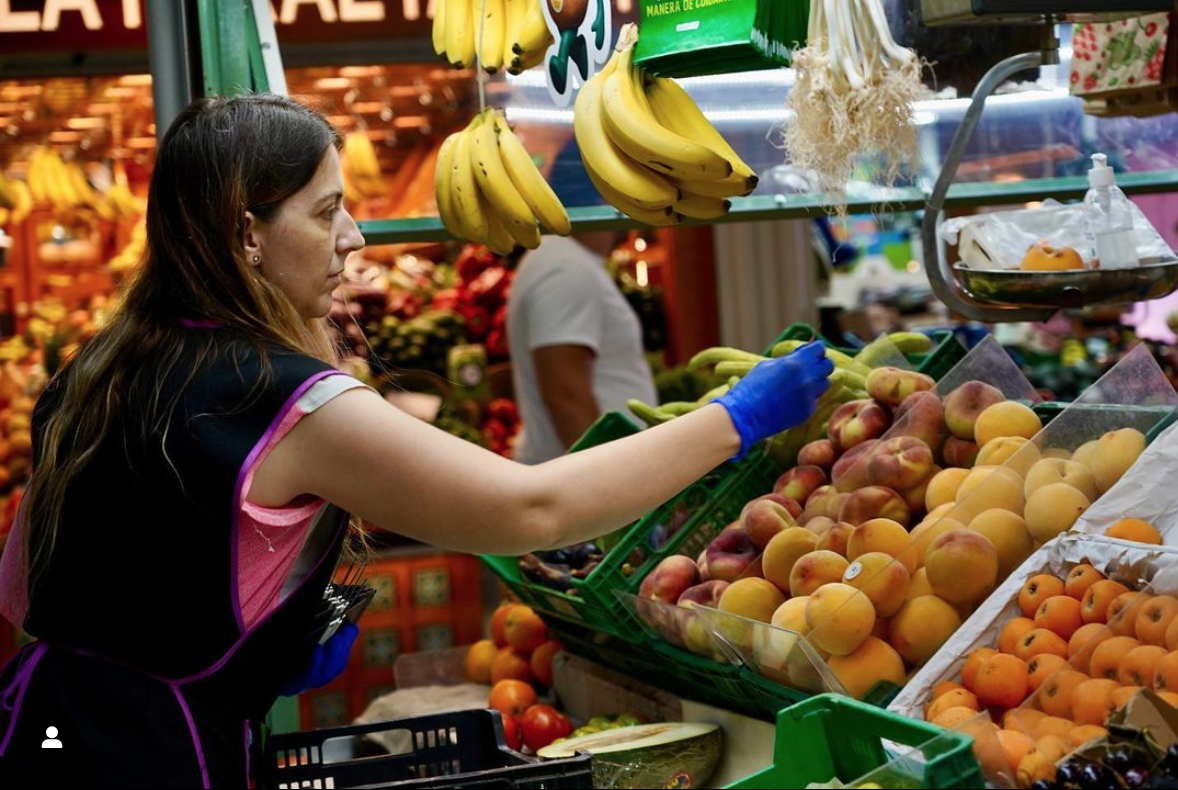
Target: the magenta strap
(19, 685)
(200, 752)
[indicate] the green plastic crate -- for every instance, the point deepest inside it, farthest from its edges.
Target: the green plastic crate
(831, 736)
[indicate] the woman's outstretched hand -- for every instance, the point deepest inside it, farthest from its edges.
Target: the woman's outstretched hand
(778, 394)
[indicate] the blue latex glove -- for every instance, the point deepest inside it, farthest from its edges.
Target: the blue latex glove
(778, 394)
(327, 662)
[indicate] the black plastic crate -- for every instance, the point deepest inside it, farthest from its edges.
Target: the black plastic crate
(461, 749)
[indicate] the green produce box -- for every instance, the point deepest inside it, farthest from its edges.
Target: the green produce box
(830, 736)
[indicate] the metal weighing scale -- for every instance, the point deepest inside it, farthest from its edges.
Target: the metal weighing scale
(998, 296)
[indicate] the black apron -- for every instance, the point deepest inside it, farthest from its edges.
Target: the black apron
(142, 663)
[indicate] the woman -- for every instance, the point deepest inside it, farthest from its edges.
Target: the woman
(175, 541)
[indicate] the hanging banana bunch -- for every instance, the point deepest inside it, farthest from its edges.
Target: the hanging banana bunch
(119, 203)
(362, 176)
(489, 190)
(504, 33)
(16, 202)
(649, 149)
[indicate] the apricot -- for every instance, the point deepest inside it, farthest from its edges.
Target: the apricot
(1014, 452)
(1054, 509)
(882, 579)
(921, 626)
(973, 664)
(952, 699)
(1043, 666)
(928, 531)
(1094, 607)
(1061, 615)
(756, 599)
(872, 662)
(1085, 453)
(783, 552)
(1008, 533)
(840, 618)
(962, 566)
(989, 487)
(1006, 419)
(1140, 665)
(1041, 641)
(1092, 701)
(815, 569)
(1115, 452)
(1012, 632)
(791, 615)
(1165, 675)
(1154, 618)
(942, 488)
(882, 535)
(1015, 746)
(1080, 578)
(1107, 657)
(1003, 681)
(919, 585)
(1055, 695)
(1123, 611)
(1036, 590)
(1050, 471)
(1136, 530)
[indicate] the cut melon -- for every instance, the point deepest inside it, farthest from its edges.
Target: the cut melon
(670, 754)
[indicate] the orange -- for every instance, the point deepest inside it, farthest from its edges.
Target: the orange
(1094, 607)
(498, 619)
(1015, 746)
(969, 672)
(1122, 696)
(1123, 611)
(1003, 681)
(944, 687)
(1041, 641)
(1012, 632)
(510, 665)
(1055, 695)
(1037, 590)
(1092, 701)
(1170, 698)
(1084, 641)
(959, 698)
(512, 697)
(1080, 578)
(1165, 674)
(1106, 659)
(524, 629)
(1135, 529)
(1060, 614)
(541, 661)
(478, 661)
(1042, 667)
(1086, 732)
(954, 717)
(1139, 666)
(1022, 720)
(1154, 618)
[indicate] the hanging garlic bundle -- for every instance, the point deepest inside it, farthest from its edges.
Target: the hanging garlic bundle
(853, 96)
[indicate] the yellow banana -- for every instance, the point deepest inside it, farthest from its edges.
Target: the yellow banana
(443, 173)
(676, 110)
(513, 19)
(544, 203)
(702, 207)
(640, 185)
(534, 35)
(633, 127)
(496, 184)
(655, 217)
(22, 201)
(499, 240)
(438, 30)
(491, 34)
(36, 179)
(460, 32)
(733, 186)
(80, 184)
(466, 191)
(529, 60)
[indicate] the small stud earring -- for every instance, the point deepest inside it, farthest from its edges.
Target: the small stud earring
(257, 259)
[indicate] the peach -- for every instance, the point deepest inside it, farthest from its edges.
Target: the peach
(705, 594)
(1050, 471)
(791, 505)
(836, 538)
(702, 564)
(764, 520)
(964, 405)
(875, 502)
(893, 386)
(1054, 509)
(919, 585)
(1006, 419)
(883, 579)
(1094, 607)
(921, 627)
(815, 569)
(1123, 611)
(881, 534)
(880, 629)
(1139, 667)
(755, 599)
(1154, 618)
(1085, 452)
(791, 615)
(915, 497)
(670, 579)
(942, 489)
(1058, 452)
(1014, 452)
(819, 503)
(729, 554)
(900, 464)
(821, 453)
(1008, 533)
(858, 421)
(928, 531)
(783, 551)
(922, 416)
(850, 472)
(840, 617)
(1116, 451)
(801, 481)
(961, 453)
(873, 662)
(989, 487)
(962, 566)
(1059, 614)
(819, 525)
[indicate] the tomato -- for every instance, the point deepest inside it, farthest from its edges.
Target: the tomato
(511, 732)
(512, 697)
(541, 725)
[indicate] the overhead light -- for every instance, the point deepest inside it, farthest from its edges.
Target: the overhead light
(404, 91)
(65, 137)
(410, 122)
(86, 123)
(141, 142)
(361, 71)
(371, 107)
(136, 80)
(333, 84)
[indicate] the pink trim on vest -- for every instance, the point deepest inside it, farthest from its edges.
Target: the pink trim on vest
(196, 744)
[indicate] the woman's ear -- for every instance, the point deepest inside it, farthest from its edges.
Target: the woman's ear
(251, 239)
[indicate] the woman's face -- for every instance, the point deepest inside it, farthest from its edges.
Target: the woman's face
(303, 248)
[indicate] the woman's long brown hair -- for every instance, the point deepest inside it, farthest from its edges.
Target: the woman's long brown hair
(220, 158)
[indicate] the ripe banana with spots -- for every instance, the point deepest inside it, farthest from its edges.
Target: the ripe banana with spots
(510, 34)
